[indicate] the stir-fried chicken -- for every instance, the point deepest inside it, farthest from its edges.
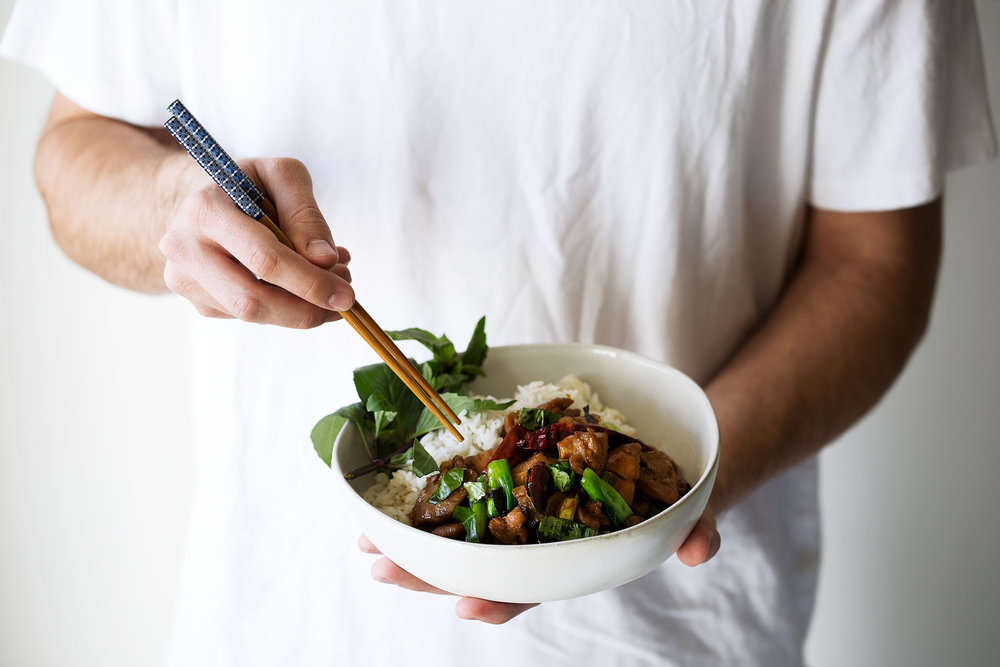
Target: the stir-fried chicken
(658, 477)
(557, 404)
(521, 470)
(624, 487)
(592, 514)
(527, 504)
(623, 464)
(585, 449)
(510, 529)
(454, 530)
(623, 460)
(426, 514)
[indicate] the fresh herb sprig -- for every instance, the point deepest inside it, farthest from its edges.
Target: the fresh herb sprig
(390, 418)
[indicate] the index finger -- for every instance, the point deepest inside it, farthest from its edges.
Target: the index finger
(256, 248)
(289, 186)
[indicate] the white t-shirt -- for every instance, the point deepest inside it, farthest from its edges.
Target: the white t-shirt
(629, 173)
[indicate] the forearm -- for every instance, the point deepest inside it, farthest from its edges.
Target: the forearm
(836, 340)
(110, 189)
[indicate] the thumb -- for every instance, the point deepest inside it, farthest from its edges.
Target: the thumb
(703, 542)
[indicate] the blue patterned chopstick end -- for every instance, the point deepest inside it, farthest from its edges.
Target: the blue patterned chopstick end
(188, 141)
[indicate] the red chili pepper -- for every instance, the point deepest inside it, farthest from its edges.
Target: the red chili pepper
(548, 437)
(508, 448)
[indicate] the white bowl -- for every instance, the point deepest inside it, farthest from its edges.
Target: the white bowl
(669, 411)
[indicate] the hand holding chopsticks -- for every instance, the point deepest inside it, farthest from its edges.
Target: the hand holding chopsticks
(251, 200)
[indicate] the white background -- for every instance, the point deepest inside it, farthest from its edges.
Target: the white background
(95, 468)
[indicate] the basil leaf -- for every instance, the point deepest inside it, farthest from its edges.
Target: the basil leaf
(423, 463)
(402, 458)
(554, 528)
(448, 381)
(563, 476)
(326, 430)
(383, 418)
(442, 348)
(475, 351)
(324, 433)
(449, 482)
(535, 418)
(476, 491)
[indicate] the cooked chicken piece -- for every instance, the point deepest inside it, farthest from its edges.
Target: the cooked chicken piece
(510, 529)
(478, 462)
(585, 449)
(425, 514)
(509, 422)
(557, 404)
(455, 462)
(658, 477)
(643, 505)
(526, 504)
(624, 487)
(574, 416)
(623, 460)
(592, 514)
(454, 530)
(520, 471)
(555, 500)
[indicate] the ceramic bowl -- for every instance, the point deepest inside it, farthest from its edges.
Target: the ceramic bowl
(669, 411)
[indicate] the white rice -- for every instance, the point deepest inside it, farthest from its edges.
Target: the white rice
(396, 495)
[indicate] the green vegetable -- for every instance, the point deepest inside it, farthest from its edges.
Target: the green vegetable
(604, 493)
(388, 415)
(563, 476)
(479, 521)
(476, 491)
(567, 509)
(555, 528)
(496, 503)
(449, 481)
(534, 418)
(498, 475)
(421, 462)
(473, 519)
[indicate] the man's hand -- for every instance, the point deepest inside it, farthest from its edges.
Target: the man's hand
(128, 204)
(228, 265)
(700, 546)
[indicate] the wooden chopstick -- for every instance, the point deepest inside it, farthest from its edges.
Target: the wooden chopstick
(401, 359)
(386, 348)
(235, 183)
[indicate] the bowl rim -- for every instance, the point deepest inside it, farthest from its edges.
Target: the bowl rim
(712, 460)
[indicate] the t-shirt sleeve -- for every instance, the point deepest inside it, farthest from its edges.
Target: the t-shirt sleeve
(901, 100)
(113, 57)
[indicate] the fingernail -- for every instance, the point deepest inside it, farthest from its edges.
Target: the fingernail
(340, 301)
(320, 248)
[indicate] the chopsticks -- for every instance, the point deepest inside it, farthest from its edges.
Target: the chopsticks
(207, 152)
